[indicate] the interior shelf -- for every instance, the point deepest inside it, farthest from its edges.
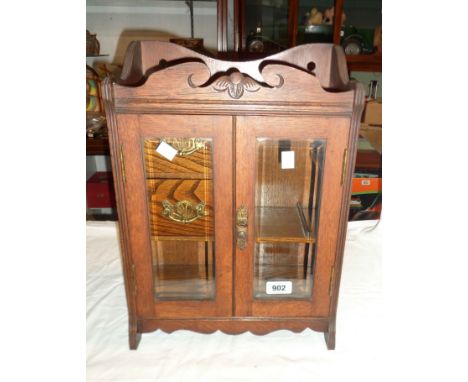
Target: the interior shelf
(175, 175)
(364, 62)
(183, 281)
(282, 225)
(183, 238)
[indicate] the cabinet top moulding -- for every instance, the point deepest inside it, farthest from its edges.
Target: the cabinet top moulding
(165, 77)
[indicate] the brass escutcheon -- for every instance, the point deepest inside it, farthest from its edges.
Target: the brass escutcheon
(241, 227)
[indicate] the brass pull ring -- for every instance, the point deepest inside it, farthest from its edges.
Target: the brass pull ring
(185, 146)
(183, 211)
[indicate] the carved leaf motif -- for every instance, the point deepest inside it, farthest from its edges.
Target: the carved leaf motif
(235, 84)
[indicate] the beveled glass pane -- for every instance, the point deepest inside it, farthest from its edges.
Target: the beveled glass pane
(180, 203)
(287, 199)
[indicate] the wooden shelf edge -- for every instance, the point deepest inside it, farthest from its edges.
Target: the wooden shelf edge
(182, 238)
(97, 146)
(364, 63)
(285, 240)
(288, 214)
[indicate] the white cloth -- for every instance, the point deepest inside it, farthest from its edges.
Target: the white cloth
(279, 356)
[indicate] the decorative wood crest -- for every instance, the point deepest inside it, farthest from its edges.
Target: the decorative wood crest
(236, 84)
(329, 65)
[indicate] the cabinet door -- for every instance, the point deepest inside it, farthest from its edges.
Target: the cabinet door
(178, 195)
(288, 197)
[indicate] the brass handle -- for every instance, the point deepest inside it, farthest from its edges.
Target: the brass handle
(183, 211)
(185, 146)
(241, 227)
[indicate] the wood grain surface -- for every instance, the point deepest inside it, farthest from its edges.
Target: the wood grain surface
(195, 191)
(195, 166)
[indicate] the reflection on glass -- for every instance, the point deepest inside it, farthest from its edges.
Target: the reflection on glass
(315, 21)
(362, 32)
(266, 25)
(287, 199)
(360, 27)
(180, 201)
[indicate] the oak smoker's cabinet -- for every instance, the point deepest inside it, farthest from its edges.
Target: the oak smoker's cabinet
(233, 187)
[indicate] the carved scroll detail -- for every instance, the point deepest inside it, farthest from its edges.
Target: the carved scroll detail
(281, 81)
(235, 84)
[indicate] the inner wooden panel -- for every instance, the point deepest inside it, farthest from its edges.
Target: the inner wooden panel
(196, 165)
(195, 191)
(173, 252)
(277, 187)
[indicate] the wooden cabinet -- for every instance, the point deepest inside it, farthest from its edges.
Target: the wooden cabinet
(233, 187)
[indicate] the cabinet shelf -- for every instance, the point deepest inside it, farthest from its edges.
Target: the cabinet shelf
(175, 175)
(364, 63)
(183, 238)
(282, 225)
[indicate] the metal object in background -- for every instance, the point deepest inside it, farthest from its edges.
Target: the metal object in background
(373, 87)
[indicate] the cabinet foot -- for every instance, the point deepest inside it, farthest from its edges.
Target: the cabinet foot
(134, 338)
(330, 339)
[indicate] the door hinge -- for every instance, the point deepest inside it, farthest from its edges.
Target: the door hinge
(134, 286)
(122, 163)
(343, 166)
(332, 278)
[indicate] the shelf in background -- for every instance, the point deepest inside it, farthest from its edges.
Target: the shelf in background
(97, 146)
(364, 63)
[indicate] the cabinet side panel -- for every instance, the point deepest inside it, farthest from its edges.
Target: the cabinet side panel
(119, 187)
(358, 106)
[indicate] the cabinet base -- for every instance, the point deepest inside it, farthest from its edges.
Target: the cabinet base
(256, 326)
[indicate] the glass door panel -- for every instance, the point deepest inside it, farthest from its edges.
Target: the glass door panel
(315, 21)
(179, 185)
(266, 25)
(287, 196)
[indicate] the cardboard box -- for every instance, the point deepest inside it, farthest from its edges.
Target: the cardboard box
(362, 186)
(373, 113)
(373, 134)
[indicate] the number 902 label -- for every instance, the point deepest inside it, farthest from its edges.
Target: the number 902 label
(279, 287)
